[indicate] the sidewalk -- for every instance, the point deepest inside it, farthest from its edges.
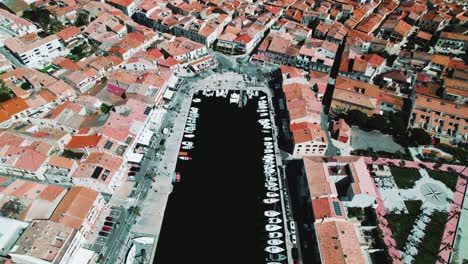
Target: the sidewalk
(154, 206)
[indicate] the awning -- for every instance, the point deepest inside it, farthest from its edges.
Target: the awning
(134, 157)
(168, 94)
(172, 82)
(145, 137)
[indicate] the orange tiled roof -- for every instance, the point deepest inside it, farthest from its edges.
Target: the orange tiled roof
(75, 207)
(83, 141)
(61, 162)
(14, 105)
(339, 243)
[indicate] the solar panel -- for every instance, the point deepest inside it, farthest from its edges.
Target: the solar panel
(337, 208)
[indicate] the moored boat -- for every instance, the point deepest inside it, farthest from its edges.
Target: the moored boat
(274, 220)
(271, 228)
(270, 200)
(275, 242)
(271, 213)
(275, 235)
(274, 249)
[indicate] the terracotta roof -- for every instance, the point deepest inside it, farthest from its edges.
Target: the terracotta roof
(68, 33)
(324, 208)
(3, 115)
(436, 104)
(83, 141)
(14, 105)
(308, 132)
(75, 207)
(61, 162)
(441, 60)
(339, 243)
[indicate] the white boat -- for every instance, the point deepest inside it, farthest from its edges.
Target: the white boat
(189, 135)
(275, 242)
(271, 213)
(272, 228)
(270, 200)
(275, 235)
(273, 188)
(274, 220)
(271, 184)
(187, 147)
(187, 143)
(272, 194)
(196, 100)
(185, 158)
(268, 138)
(271, 179)
(274, 249)
(234, 98)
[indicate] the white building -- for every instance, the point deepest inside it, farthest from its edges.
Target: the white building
(309, 140)
(45, 241)
(35, 52)
(15, 24)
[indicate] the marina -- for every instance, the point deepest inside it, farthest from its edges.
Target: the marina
(215, 178)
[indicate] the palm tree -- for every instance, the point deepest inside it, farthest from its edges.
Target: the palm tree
(135, 210)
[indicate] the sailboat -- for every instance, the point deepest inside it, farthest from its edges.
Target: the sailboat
(271, 213)
(269, 200)
(275, 235)
(272, 194)
(274, 249)
(273, 188)
(275, 242)
(274, 220)
(270, 227)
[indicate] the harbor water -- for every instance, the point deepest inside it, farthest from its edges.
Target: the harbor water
(216, 212)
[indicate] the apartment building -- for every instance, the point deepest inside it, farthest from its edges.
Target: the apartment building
(35, 52)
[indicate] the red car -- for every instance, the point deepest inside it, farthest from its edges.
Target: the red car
(109, 218)
(106, 228)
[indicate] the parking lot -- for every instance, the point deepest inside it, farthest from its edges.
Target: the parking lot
(105, 238)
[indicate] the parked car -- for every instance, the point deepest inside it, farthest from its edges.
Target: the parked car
(106, 228)
(131, 178)
(109, 218)
(107, 223)
(133, 168)
(104, 234)
(131, 173)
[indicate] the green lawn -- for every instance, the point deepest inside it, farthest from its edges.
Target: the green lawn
(401, 224)
(430, 245)
(448, 178)
(405, 177)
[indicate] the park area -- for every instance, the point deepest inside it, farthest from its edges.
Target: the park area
(419, 202)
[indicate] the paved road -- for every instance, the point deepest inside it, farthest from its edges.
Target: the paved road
(11, 58)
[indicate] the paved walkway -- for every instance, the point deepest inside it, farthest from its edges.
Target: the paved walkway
(459, 203)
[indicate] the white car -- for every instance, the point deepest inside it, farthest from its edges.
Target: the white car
(131, 178)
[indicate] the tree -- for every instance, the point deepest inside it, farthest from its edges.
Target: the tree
(12, 208)
(82, 19)
(105, 109)
(356, 117)
(420, 137)
(135, 210)
(398, 123)
(377, 122)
